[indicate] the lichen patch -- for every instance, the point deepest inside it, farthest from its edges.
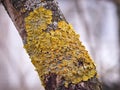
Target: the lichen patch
(57, 51)
(32, 4)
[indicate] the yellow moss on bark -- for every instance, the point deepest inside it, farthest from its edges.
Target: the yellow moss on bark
(57, 51)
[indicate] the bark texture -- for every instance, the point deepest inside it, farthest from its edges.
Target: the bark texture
(18, 10)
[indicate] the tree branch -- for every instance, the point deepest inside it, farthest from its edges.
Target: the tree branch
(53, 46)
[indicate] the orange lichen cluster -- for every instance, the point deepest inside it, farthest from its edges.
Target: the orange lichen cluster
(57, 51)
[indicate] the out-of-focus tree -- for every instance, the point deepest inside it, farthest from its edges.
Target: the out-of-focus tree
(117, 2)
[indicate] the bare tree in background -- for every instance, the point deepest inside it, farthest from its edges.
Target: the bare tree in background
(117, 2)
(15, 8)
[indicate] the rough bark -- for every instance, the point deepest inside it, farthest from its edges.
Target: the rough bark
(16, 11)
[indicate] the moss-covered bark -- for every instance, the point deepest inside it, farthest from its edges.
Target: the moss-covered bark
(53, 46)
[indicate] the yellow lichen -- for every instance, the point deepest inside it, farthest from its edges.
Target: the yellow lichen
(38, 19)
(57, 51)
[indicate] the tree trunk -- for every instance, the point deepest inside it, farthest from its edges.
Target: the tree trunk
(117, 2)
(53, 46)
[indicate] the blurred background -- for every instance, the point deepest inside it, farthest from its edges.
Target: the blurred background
(97, 22)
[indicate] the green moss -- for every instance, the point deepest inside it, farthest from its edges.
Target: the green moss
(57, 51)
